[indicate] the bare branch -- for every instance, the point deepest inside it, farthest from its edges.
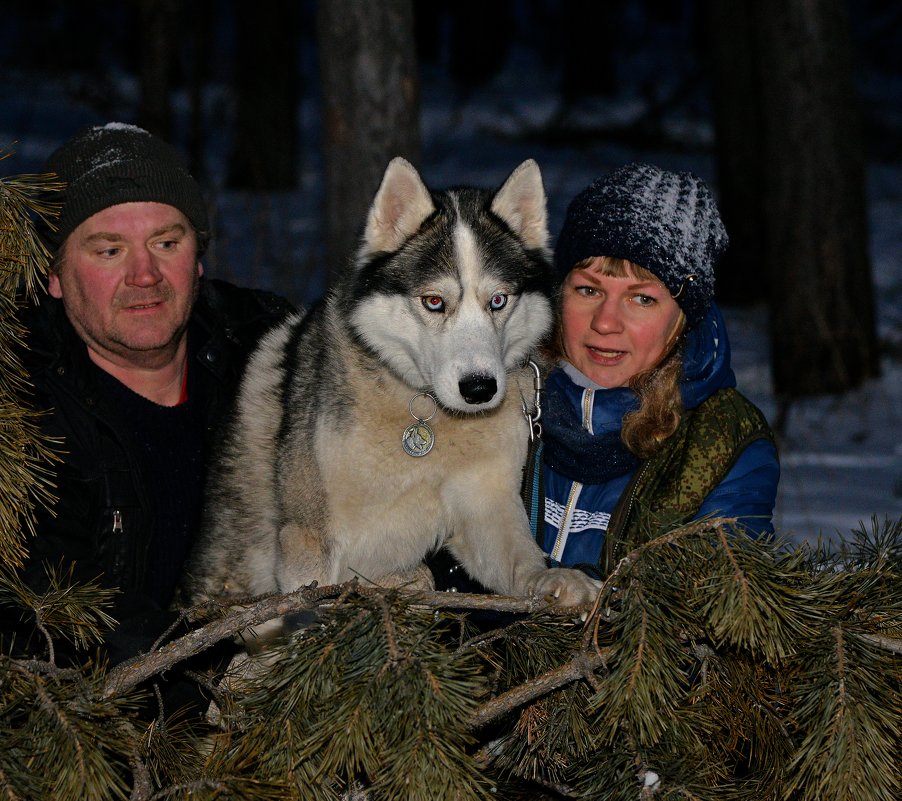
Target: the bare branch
(886, 643)
(577, 668)
(129, 674)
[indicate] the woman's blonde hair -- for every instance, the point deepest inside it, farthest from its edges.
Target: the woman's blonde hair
(660, 410)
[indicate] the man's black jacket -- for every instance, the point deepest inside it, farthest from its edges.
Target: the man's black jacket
(104, 519)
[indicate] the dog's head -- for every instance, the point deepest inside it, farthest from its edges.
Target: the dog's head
(452, 290)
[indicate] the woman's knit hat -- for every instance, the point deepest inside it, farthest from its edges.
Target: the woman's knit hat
(666, 222)
(119, 163)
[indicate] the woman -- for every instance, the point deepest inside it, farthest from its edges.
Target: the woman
(643, 426)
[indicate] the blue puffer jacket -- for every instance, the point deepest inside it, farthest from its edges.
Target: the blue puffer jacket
(577, 514)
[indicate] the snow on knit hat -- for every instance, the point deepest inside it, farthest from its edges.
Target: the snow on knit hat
(666, 222)
(117, 163)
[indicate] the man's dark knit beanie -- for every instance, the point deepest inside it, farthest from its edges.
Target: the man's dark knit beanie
(119, 163)
(666, 222)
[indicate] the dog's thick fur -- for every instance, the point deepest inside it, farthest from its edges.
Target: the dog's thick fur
(450, 293)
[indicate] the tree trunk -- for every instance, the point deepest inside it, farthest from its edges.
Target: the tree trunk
(158, 20)
(813, 172)
(196, 20)
(370, 100)
(735, 73)
(267, 80)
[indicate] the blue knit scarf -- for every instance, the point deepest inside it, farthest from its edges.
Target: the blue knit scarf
(578, 454)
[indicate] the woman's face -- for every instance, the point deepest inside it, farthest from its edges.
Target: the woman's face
(615, 327)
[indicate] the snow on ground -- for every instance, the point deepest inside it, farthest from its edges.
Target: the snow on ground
(841, 456)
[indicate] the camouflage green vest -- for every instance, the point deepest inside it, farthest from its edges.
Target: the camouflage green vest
(668, 489)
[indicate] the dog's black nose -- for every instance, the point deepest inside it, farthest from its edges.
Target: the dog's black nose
(477, 388)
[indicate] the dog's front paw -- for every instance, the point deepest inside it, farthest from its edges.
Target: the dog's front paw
(566, 586)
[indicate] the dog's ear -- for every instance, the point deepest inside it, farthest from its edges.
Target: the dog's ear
(521, 204)
(399, 208)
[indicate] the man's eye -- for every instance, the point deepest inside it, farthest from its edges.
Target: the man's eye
(434, 303)
(167, 244)
(108, 253)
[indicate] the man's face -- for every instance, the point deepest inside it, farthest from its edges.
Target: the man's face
(128, 280)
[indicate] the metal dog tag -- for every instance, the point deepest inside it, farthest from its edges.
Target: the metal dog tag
(418, 438)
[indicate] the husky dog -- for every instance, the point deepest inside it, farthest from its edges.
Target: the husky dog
(390, 420)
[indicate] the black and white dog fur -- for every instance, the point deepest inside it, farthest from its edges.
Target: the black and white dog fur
(449, 295)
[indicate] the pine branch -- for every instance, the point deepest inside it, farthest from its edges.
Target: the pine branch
(61, 742)
(843, 710)
(130, 674)
(25, 455)
(890, 644)
(579, 667)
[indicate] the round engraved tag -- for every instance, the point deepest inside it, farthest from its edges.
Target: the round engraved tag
(418, 439)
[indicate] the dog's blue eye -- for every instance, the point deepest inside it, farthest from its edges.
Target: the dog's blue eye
(498, 301)
(434, 303)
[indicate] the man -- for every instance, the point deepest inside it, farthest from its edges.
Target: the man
(136, 357)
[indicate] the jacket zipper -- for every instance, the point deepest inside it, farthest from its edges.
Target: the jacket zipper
(563, 531)
(588, 400)
(613, 539)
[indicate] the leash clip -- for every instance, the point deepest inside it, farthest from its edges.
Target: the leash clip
(532, 418)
